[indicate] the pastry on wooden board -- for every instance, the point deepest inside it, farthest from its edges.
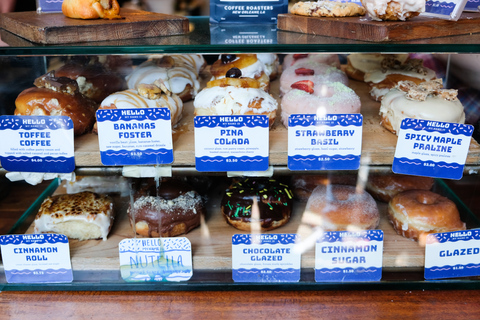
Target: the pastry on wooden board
(91, 9)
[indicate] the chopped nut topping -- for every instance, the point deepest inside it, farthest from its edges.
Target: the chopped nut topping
(421, 91)
(416, 65)
(60, 84)
(149, 91)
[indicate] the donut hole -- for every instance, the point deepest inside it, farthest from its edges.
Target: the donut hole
(425, 199)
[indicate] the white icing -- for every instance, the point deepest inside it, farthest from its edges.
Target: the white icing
(270, 60)
(232, 101)
(252, 71)
(377, 8)
(396, 107)
(370, 62)
(378, 75)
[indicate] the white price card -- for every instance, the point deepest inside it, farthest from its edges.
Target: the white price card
(432, 148)
(452, 254)
(141, 136)
(37, 143)
(156, 259)
(349, 256)
(330, 142)
(36, 258)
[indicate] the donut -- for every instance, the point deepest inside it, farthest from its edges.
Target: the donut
(325, 58)
(341, 207)
(91, 9)
(393, 9)
(146, 96)
(272, 64)
(384, 187)
(171, 209)
(257, 200)
(235, 96)
(322, 98)
(358, 64)
(313, 71)
(416, 213)
(94, 79)
(195, 61)
(303, 185)
(57, 97)
(428, 101)
(83, 216)
(248, 64)
(179, 77)
(393, 71)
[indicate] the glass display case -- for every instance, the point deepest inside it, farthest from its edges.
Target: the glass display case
(95, 263)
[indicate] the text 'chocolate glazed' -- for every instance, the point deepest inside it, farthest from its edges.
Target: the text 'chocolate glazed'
(273, 200)
(172, 209)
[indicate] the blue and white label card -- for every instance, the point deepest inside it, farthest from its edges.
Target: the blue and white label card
(231, 143)
(49, 5)
(36, 258)
(140, 136)
(349, 256)
(472, 5)
(265, 258)
(37, 143)
(449, 10)
(432, 148)
(332, 142)
(156, 259)
(452, 254)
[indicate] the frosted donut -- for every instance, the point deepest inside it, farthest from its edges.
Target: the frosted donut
(393, 71)
(303, 185)
(415, 213)
(313, 71)
(384, 187)
(235, 96)
(426, 101)
(196, 61)
(393, 9)
(181, 79)
(322, 98)
(272, 64)
(249, 65)
(341, 207)
(330, 59)
(358, 64)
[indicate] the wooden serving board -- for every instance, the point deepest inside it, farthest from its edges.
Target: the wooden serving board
(212, 241)
(364, 29)
(55, 28)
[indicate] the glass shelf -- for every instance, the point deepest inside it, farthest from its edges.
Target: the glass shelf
(205, 38)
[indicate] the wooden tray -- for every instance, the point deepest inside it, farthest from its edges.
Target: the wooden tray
(55, 28)
(364, 29)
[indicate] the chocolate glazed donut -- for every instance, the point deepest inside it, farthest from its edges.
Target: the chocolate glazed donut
(273, 200)
(175, 210)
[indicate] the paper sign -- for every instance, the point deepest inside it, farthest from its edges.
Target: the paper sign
(36, 258)
(37, 143)
(139, 136)
(449, 10)
(265, 258)
(472, 5)
(49, 5)
(349, 256)
(156, 259)
(332, 142)
(452, 254)
(432, 149)
(231, 143)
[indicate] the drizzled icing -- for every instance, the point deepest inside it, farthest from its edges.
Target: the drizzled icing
(376, 8)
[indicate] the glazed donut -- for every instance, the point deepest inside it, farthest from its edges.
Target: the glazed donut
(393, 9)
(91, 9)
(146, 96)
(249, 65)
(322, 98)
(269, 199)
(179, 77)
(172, 209)
(392, 72)
(358, 64)
(235, 96)
(426, 101)
(384, 187)
(57, 97)
(94, 80)
(313, 71)
(303, 185)
(341, 207)
(325, 58)
(415, 213)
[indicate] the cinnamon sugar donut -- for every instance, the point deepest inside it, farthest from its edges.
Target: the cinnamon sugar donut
(416, 213)
(341, 207)
(303, 185)
(384, 187)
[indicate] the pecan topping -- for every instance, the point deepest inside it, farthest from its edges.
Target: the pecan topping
(60, 84)
(423, 90)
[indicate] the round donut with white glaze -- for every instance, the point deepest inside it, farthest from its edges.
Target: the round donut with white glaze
(359, 64)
